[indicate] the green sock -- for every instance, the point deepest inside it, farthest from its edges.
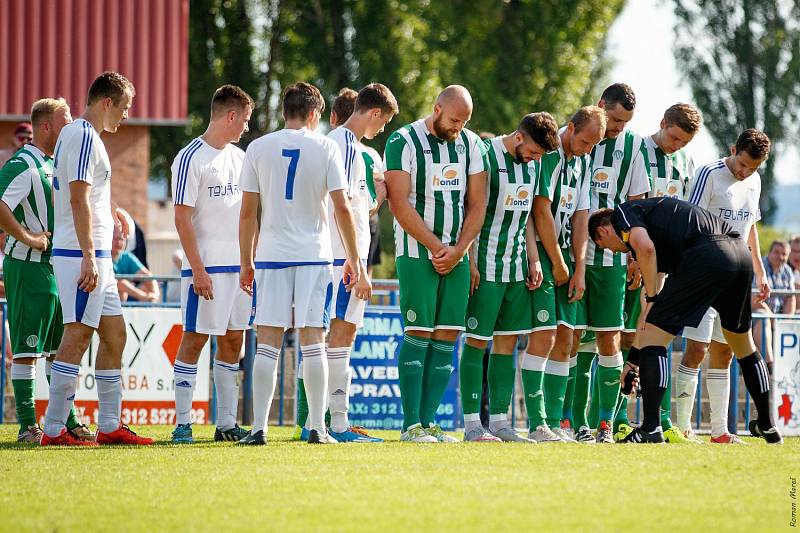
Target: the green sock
(26, 405)
(580, 398)
(533, 385)
(556, 375)
(410, 364)
(470, 373)
(666, 404)
(501, 383)
(436, 376)
(608, 385)
(569, 393)
(302, 403)
(621, 413)
(72, 417)
(594, 402)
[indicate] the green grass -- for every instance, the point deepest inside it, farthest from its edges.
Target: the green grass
(287, 486)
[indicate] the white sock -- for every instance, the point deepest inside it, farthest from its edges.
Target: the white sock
(185, 380)
(498, 422)
(265, 374)
(109, 392)
(536, 363)
(20, 371)
(315, 380)
(685, 390)
(63, 385)
(338, 385)
(225, 375)
(557, 368)
(718, 382)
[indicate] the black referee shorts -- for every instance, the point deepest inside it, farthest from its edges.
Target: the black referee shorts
(718, 273)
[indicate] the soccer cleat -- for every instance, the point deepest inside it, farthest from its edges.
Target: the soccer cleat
(182, 434)
(604, 435)
(297, 433)
(320, 437)
(563, 435)
(31, 435)
(584, 435)
(509, 434)
(567, 428)
(692, 437)
(122, 435)
(637, 436)
(478, 434)
(675, 436)
(234, 434)
(350, 435)
(436, 432)
(304, 434)
(65, 439)
(727, 438)
(416, 433)
(252, 439)
(623, 430)
(82, 432)
(543, 434)
(772, 435)
(363, 432)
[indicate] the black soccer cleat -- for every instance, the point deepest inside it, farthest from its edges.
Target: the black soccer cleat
(637, 436)
(771, 435)
(252, 439)
(234, 434)
(320, 437)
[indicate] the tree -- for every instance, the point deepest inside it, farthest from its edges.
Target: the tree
(742, 61)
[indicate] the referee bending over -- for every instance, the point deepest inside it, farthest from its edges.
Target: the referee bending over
(708, 266)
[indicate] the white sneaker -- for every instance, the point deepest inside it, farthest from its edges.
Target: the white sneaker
(509, 434)
(416, 433)
(440, 436)
(544, 434)
(478, 434)
(563, 435)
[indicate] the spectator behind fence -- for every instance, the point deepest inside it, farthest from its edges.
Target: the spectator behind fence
(780, 277)
(794, 263)
(125, 263)
(173, 289)
(23, 134)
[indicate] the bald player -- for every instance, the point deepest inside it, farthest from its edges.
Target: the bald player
(436, 185)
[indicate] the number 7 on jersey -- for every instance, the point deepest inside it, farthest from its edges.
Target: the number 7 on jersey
(294, 157)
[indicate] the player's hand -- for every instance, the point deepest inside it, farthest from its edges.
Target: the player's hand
(247, 274)
(474, 277)
(87, 281)
(763, 288)
(560, 272)
(121, 221)
(535, 276)
(38, 240)
(634, 275)
(350, 275)
(577, 287)
(446, 259)
(363, 287)
(202, 283)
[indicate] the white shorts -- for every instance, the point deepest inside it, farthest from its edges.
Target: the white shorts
(231, 308)
(307, 288)
(709, 329)
(345, 304)
(78, 305)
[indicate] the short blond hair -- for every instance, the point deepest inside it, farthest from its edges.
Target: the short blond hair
(587, 114)
(686, 116)
(47, 107)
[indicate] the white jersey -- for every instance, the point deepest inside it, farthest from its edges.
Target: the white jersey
(670, 173)
(736, 202)
(293, 171)
(207, 179)
(356, 173)
(80, 155)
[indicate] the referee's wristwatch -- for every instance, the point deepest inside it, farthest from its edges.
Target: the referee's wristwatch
(650, 299)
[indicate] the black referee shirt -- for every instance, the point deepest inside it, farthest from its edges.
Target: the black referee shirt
(673, 226)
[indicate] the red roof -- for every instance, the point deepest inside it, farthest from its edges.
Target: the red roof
(57, 47)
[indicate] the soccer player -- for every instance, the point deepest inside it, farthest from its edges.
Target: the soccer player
(436, 184)
(708, 265)
(291, 173)
(730, 189)
(207, 196)
(619, 173)
(26, 215)
(84, 223)
(671, 169)
(560, 209)
(500, 261)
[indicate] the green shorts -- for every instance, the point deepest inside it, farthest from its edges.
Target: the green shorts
(429, 301)
(34, 311)
(604, 301)
(633, 308)
(499, 308)
(550, 303)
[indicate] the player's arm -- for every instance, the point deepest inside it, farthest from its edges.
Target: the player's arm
(580, 238)
(201, 281)
(147, 291)
(535, 277)
(474, 273)
(248, 227)
(645, 252)
(347, 229)
(762, 283)
(13, 191)
(546, 229)
(82, 219)
(474, 213)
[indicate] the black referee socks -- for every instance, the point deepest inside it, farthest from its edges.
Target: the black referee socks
(756, 379)
(653, 379)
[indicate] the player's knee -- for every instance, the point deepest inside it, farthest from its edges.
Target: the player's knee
(627, 340)
(541, 342)
(694, 354)
(607, 342)
(481, 344)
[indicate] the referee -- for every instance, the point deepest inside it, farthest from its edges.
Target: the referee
(708, 266)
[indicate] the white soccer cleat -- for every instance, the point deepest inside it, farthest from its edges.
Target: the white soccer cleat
(544, 434)
(416, 433)
(509, 434)
(562, 434)
(478, 434)
(440, 436)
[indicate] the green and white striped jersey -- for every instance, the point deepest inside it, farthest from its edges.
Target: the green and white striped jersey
(439, 171)
(620, 168)
(502, 251)
(566, 184)
(26, 188)
(669, 174)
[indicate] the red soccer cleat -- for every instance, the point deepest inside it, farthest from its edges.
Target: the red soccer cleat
(122, 435)
(65, 439)
(727, 438)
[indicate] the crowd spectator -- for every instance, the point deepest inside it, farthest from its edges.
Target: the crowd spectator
(125, 263)
(794, 263)
(173, 289)
(780, 277)
(23, 134)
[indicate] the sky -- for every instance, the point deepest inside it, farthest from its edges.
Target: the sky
(643, 58)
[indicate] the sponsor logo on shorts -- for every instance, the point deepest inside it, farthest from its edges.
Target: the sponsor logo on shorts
(543, 315)
(413, 363)
(32, 341)
(411, 315)
(519, 199)
(472, 322)
(624, 316)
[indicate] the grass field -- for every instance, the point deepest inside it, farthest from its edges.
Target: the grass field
(286, 486)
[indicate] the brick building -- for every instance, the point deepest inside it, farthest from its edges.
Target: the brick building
(51, 48)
